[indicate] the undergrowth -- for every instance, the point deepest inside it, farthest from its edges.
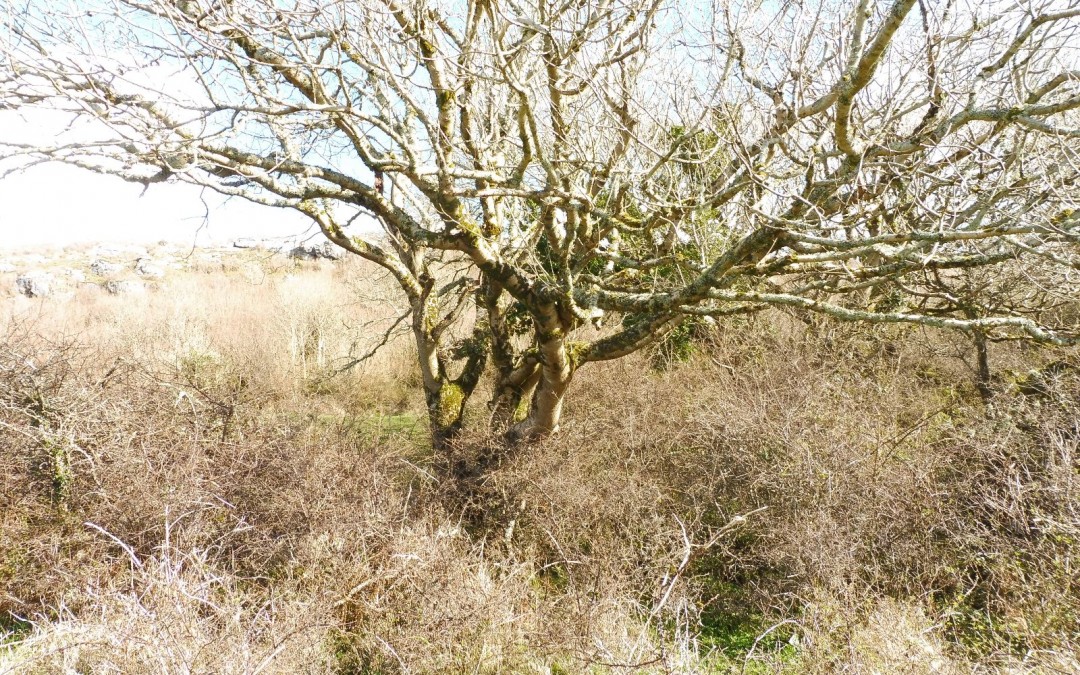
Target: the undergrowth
(176, 495)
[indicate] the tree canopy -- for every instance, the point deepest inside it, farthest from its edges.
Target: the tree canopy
(558, 182)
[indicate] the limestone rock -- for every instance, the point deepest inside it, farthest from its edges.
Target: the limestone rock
(34, 285)
(124, 287)
(317, 251)
(117, 250)
(103, 268)
(76, 276)
(146, 268)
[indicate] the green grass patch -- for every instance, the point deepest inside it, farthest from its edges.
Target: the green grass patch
(13, 630)
(376, 426)
(746, 643)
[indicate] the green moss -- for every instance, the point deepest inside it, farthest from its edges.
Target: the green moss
(574, 350)
(61, 474)
(451, 398)
(444, 97)
(522, 410)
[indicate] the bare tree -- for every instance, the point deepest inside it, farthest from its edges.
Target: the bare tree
(589, 175)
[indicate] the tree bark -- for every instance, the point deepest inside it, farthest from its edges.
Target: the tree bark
(443, 415)
(555, 373)
(982, 359)
(444, 396)
(510, 391)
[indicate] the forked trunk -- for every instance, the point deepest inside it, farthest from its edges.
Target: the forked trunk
(515, 378)
(512, 392)
(556, 371)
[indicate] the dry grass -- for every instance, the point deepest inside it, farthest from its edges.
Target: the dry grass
(187, 486)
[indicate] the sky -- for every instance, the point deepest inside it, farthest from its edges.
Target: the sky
(58, 205)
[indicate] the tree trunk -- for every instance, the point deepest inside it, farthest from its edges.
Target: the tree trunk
(555, 372)
(510, 392)
(547, 379)
(444, 417)
(982, 358)
(445, 397)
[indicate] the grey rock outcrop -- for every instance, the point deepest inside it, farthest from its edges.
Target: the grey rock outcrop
(115, 250)
(124, 287)
(273, 245)
(103, 268)
(76, 276)
(147, 268)
(34, 285)
(323, 251)
(248, 242)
